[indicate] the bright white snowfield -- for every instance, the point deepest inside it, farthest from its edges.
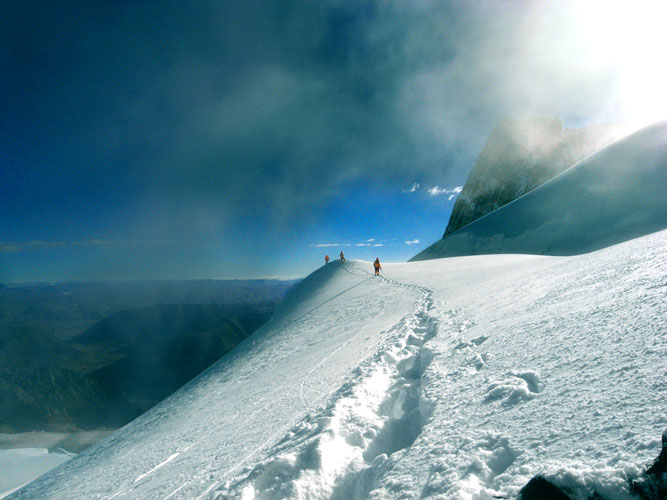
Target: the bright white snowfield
(452, 378)
(459, 377)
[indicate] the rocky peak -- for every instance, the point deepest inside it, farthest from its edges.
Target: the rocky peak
(520, 155)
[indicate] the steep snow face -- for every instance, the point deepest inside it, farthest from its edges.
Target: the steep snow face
(520, 155)
(450, 378)
(614, 195)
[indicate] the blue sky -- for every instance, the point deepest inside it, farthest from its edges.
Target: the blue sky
(228, 139)
(363, 224)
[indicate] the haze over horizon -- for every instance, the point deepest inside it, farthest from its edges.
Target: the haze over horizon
(246, 140)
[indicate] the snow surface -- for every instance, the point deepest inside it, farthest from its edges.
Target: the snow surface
(614, 195)
(460, 377)
(21, 465)
(452, 378)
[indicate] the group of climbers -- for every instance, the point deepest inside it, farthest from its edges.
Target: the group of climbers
(376, 264)
(342, 257)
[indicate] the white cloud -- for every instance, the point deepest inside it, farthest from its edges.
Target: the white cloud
(370, 239)
(436, 191)
(411, 189)
(369, 244)
(326, 245)
(10, 247)
(20, 246)
(412, 242)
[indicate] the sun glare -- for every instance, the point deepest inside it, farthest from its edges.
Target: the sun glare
(629, 39)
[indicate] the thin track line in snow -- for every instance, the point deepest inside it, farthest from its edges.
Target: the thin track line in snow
(262, 445)
(141, 476)
(303, 382)
(272, 436)
(239, 464)
(175, 491)
(323, 360)
(206, 436)
(421, 315)
(207, 490)
(328, 300)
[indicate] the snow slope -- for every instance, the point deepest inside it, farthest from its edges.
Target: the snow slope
(227, 417)
(452, 378)
(462, 377)
(21, 465)
(614, 195)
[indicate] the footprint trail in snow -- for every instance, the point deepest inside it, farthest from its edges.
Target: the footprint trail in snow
(339, 451)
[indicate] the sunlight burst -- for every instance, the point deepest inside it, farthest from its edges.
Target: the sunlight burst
(629, 39)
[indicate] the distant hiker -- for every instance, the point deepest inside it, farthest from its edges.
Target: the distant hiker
(342, 256)
(326, 259)
(377, 266)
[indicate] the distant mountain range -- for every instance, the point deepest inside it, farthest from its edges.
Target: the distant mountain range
(86, 356)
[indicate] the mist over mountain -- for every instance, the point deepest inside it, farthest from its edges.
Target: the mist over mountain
(162, 347)
(520, 155)
(79, 356)
(616, 194)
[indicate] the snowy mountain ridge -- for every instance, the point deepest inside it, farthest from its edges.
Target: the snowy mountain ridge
(520, 155)
(464, 377)
(379, 411)
(414, 386)
(613, 195)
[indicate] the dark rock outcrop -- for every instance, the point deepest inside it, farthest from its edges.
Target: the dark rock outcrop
(652, 485)
(539, 488)
(613, 195)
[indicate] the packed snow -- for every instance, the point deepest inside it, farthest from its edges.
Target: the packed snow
(460, 377)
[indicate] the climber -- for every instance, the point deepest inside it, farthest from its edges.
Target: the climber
(326, 259)
(342, 256)
(377, 266)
